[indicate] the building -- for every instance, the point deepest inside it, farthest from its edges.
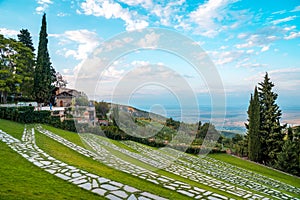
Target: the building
(64, 97)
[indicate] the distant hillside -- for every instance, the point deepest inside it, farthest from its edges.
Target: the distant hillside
(228, 134)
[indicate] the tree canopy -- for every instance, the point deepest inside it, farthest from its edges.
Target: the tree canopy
(16, 62)
(44, 77)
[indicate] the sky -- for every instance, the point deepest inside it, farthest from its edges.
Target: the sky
(244, 39)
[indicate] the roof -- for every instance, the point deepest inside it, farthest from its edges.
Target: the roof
(65, 94)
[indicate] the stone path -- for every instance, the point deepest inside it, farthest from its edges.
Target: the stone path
(107, 158)
(94, 183)
(173, 168)
(190, 167)
(216, 169)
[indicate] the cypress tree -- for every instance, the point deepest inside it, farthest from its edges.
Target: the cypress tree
(270, 128)
(253, 135)
(44, 76)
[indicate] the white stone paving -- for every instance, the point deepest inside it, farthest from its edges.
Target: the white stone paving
(187, 166)
(216, 169)
(92, 182)
(162, 160)
(107, 158)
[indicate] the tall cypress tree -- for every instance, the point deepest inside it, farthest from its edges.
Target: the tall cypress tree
(270, 128)
(44, 76)
(254, 140)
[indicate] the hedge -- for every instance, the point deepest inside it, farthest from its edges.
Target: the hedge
(26, 114)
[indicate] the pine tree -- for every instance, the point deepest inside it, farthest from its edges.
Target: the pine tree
(44, 76)
(270, 128)
(27, 83)
(253, 135)
(288, 158)
(290, 133)
(25, 38)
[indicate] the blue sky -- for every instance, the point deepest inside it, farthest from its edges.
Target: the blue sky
(244, 39)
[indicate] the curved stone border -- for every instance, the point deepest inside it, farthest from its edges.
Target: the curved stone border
(211, 168)
(94, 183)
(152, 158)
(105, 157)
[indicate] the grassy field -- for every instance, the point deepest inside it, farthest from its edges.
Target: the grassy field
(224, 157)
(20, 179)
(26, 181)
(13, 128)
(71, 157)
(286, 178)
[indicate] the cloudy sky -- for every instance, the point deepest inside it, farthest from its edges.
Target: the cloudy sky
(243, 38)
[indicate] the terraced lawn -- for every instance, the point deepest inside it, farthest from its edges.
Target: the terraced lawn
(20, 179)
(72, 157)
(260, 169)
(218, 176)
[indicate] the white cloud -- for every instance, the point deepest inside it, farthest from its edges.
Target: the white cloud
(43, 5)
(285, 79)
(296, 9)
(225, 57)
(250, 51)
(66, 71)
(260, 39)
(112, 10)
(292, 35)
(209, 16)
(168, 14)
(112, 73)
(149, 41)
(85, 40)
(289, 28)
(143, 3)
(61, 14)
(138, 63)
(279, 12)
(9, 32)
(252, 65)
(265, 48)
(278, 21)
(242, 35)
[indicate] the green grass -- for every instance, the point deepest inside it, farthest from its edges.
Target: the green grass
(97, 166)
(13, 128)
(23, 181)
(282, 177)
(71, 157)
(20, 179)
(71, 136)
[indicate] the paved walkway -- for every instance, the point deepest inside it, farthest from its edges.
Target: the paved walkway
(94, 183)
(190, 166)
(108, 159)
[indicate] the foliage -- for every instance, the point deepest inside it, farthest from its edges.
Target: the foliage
(60, 82)
(16, 66)
(44, 76)
(254, 139)
(26, 39)
(172, 123)
(289, 157)
(102, 109)
(265, 134)
(270, 129)
(82, 101)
